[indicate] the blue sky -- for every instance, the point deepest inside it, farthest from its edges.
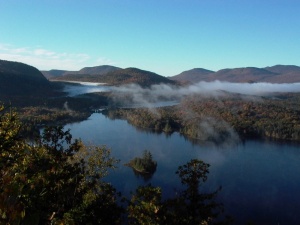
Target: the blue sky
(163, 36)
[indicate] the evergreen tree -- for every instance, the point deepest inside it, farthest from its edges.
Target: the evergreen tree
(55, 180)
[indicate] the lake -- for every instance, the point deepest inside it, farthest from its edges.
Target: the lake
(260, 179)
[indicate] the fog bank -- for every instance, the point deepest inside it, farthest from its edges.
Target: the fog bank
(162, 92)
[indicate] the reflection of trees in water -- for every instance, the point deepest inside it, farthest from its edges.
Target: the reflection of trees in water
(145, 176)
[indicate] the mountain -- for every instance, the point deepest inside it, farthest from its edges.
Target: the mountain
(273, 74)
(242, 75)
(54, 73)
(120, 77)
(99, 70)
(283, 69)
(134, 75)
(95, 70)
(21, 79)
(286, 74)
(192, 76)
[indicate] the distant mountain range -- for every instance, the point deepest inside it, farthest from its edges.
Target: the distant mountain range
(18, 78)
(114, 76)
(118, 76)
(273, 74)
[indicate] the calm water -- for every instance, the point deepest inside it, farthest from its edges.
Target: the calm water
(260, 180)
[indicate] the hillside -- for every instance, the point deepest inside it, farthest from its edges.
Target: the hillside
(95, 70)
(283, 69)
(192, 76)
(99, 70)
(21, 79)
(241, 75)
(54, 73)
(120, 77)
(287, 73)
(274, 74)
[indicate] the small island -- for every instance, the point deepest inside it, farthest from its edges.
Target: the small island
(144, 165)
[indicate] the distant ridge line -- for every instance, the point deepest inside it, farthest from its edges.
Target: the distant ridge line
(273, 74)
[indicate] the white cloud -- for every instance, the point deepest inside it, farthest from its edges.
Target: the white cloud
(43, 52)
(104, 61)
(45, 59)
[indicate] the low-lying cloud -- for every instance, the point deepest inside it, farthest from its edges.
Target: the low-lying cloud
(259, 89)
(156, 93)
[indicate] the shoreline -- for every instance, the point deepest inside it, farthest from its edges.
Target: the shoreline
(137, 170)
(81, 82)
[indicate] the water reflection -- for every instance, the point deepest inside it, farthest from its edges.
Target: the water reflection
(260, 179)
(145, 176)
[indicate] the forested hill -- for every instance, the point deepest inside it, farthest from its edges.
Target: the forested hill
(273, 74)
(21, 79)
(100, 70)
(192, 76)
(120, 77)
(54, 73)
(95, 70)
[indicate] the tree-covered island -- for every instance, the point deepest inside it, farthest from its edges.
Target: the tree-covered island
(144, 165)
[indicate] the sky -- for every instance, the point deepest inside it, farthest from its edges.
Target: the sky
(162, 36)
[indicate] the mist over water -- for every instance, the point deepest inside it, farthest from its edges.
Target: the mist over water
(138, 95)
(208, 88)
(259, 89)
(84, 88)
(163, 91)
(206, 127)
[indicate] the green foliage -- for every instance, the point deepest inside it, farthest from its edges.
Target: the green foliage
(145, 206)
(191, 206)
(12, 152)
(55, 180)
(204, 118)
(145, 164)
(162, 120)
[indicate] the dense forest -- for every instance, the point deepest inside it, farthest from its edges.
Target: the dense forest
(58, 180)
(39, 111)
(144, 165)
(222, 118)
